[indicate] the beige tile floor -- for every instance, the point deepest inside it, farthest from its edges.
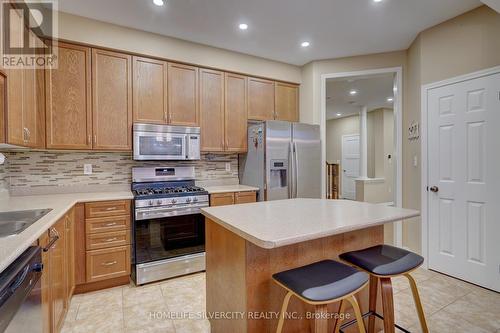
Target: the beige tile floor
(452, 306)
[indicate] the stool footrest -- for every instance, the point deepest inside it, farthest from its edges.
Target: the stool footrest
(368, 314)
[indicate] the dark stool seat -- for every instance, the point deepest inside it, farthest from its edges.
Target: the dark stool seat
(322, 281)
(384, 260)
(320, 284)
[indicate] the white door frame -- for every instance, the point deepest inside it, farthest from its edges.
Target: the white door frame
(398, 125)
(425, 148)
(342, 160)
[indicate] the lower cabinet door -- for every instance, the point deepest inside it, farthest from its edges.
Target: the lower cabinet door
(58, 276)
(108, 263)
(221, 199)
(244, 197)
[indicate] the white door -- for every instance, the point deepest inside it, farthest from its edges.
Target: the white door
(464, 180)
(350, 165)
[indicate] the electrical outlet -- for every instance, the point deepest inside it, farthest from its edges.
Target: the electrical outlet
(228, 166)
(87, 169)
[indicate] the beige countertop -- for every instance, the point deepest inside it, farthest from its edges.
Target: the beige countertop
(272, 224)
(229, 188)
(13, 246)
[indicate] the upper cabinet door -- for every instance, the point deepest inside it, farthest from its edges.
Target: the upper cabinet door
(260, 99)
(112, 100)
(150, 91)
(236, 113)
(68, 99)
(212, 110)
(16, 132)
(287, 102)
(183, 95)
(3, 100)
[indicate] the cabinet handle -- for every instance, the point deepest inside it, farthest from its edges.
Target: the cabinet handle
(110, 208)
(111, 239)
(25, 134)
(109, 263)
(95, 139)
(28, 134)
(89, 139)
(109, 224)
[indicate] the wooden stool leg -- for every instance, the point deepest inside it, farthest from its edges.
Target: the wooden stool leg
(283, 311)
(321, 318)
(372, 302)
(357, 313)
(387, 305)
(418, 303)
(338, 321)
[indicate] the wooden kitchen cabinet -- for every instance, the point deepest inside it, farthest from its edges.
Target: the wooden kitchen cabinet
(183, 104)
(235, 113)
(23, 120)
(109, 263)
(111, 100)
(107, 208)
(3, 101)
(70, 253)
(287, 102)
(232, 198)
(45, 285)
(212, 110)
(58, 275)
(68, 99)
(260, 99)
(245, 197)
(221, 199)
(150, 91)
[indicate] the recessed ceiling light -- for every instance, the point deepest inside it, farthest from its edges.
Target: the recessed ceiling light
(339, 114)
(353, 92)
(305, 44)
(243, 26)
(377, 0)
(159, 2)
(390, 99)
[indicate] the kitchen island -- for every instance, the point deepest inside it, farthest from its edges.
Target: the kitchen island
(246, 244)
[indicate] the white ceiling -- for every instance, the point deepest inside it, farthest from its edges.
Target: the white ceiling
(372, 92)
(335, 28)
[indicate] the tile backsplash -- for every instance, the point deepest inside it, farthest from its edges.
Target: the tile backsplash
(37, 172)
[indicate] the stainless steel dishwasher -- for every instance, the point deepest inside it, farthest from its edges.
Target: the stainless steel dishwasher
(20, 294)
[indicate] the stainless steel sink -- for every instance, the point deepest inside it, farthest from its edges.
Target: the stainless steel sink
(13, 223)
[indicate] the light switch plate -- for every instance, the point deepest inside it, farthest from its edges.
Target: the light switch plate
(228, 166)
(87, 169)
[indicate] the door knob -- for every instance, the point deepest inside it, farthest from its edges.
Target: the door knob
(434, 189)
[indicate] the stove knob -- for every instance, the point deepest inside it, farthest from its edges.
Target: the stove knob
(174, 201)
(158, 202)
(195, 199)
(150, 202)
(188, 200)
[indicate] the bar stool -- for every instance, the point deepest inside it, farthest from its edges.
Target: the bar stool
(320, 284)
(384, 262)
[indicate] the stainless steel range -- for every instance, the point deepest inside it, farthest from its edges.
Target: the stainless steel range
(169, 230)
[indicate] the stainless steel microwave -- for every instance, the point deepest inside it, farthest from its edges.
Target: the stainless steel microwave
(164, 142)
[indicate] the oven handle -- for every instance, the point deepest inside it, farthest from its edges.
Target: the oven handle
(159, 213)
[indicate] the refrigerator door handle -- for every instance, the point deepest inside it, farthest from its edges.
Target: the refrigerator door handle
(296, 170)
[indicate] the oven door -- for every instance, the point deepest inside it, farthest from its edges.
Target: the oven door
(159, 146)
(168, 237)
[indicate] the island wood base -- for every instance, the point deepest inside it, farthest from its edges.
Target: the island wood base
(239, 281)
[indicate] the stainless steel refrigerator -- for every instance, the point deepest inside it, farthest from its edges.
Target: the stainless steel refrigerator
(283, 160)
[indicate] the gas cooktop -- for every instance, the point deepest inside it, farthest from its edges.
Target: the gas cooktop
(166, 190)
